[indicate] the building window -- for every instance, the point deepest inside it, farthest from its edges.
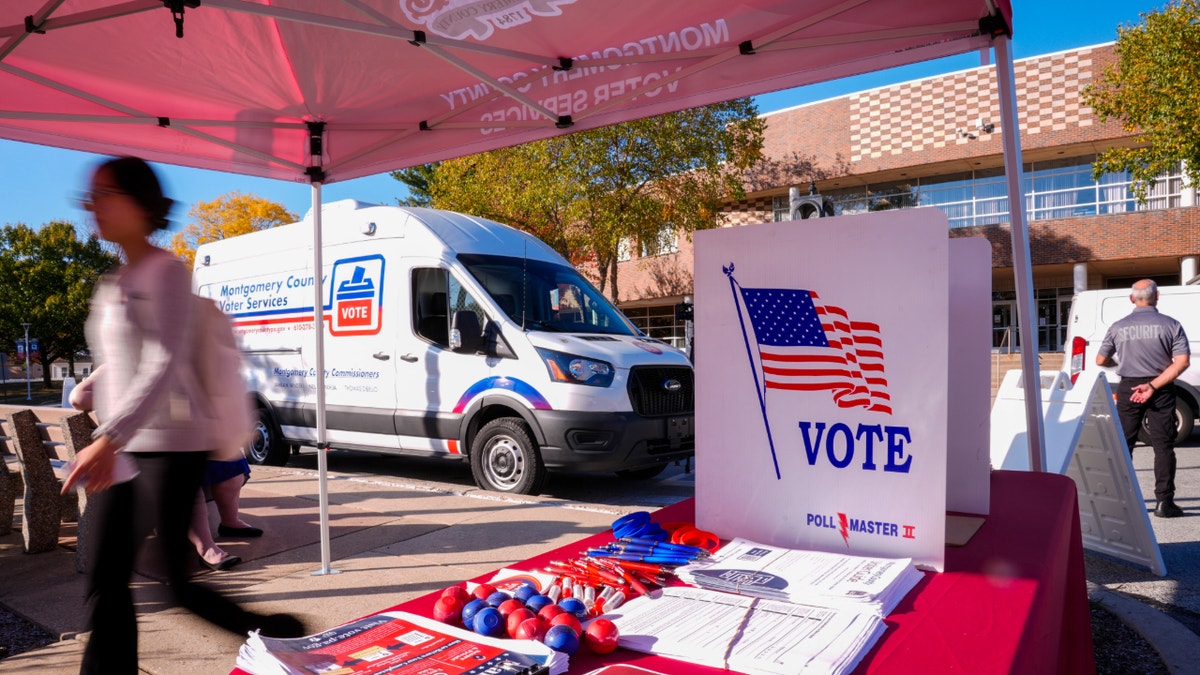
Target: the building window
(659, 323)
(624, 251)
(665, 241)
(781, 206)
(1056, 189)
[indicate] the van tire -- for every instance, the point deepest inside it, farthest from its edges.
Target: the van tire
(644, 473)
(266, 445)
(504, 458)
(1185, 421)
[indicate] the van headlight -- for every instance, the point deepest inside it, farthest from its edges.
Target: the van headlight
(577, 369)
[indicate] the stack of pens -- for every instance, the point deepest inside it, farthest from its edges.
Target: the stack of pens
(600, 588)
(652, 551)
(604, 578)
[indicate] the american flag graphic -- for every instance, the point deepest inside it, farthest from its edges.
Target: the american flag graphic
(804, 345)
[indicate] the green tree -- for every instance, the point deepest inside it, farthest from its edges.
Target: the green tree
(585, 193)
(48, 278)
(417, 179)
(1154, 89)
(229, 215)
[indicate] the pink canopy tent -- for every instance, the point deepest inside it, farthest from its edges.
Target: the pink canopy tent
(326, 90)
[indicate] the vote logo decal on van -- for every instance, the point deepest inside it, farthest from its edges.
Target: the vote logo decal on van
(357, 287)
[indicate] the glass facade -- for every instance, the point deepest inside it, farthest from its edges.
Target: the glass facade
(1055, 189)
(1052, 315)
(659, 323)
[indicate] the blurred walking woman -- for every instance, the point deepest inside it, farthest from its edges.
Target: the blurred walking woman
(140, 328)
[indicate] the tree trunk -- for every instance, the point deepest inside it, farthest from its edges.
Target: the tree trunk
(46, 368)
(615, 289)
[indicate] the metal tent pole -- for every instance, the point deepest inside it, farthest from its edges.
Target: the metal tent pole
(1022, 265)
(316, 132)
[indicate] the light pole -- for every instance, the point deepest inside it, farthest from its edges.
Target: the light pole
(28, 386)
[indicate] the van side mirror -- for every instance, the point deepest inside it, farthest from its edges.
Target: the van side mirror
(466, 335)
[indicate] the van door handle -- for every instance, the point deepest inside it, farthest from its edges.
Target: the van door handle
(381, 356)
(409, 357)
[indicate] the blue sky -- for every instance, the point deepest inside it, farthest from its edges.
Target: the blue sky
(37, 183)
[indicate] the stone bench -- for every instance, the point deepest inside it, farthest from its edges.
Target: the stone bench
(43, 439)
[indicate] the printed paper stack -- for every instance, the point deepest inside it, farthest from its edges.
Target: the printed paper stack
(394, 642)
(756, 636)
(832, 580)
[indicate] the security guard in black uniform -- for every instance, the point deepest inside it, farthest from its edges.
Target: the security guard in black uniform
(1154, 351)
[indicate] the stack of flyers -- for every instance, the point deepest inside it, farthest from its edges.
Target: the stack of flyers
(833, 580)
(397, 642)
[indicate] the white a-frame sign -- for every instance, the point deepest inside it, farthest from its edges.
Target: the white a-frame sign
(1083, 441)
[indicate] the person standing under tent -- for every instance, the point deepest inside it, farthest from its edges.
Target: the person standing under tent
(1153, 351)
(143, 469)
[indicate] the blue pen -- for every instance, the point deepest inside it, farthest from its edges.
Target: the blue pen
(649, 550)
(681, 548)
(656, 559)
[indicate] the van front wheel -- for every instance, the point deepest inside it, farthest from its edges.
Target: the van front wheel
(504, 458)
(1185, 420)
(266, 444)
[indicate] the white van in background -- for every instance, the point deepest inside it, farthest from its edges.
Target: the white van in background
(1092, 312)
(447, 335)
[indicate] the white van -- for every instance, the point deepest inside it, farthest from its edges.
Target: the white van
(1092, 312)
(447, 335)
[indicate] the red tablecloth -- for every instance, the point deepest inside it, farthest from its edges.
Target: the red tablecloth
(1013, 600)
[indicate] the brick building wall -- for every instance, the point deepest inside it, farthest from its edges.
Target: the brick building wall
(911, 130)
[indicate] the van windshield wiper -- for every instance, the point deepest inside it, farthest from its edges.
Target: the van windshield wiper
(542, 325)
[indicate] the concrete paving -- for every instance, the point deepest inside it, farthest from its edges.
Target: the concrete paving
(390, 542)
(394, 539)
(1165, 610)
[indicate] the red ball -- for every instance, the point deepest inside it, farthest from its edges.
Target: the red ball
(568, 619)
(515, 619)
(549, 612)
(601, 636)
(509, 606)
(448, 609)
(464, 596)
(482, 591)
(531, 629)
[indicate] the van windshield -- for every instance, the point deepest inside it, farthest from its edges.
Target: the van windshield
(544, 296)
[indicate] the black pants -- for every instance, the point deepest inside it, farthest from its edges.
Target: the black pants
(1159, 413)
(160, 499)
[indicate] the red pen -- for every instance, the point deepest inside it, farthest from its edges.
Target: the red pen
(633, 582)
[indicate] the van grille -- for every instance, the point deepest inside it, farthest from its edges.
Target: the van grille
(651, 399)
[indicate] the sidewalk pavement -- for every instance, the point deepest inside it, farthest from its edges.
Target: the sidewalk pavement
(1165, 610)
(392, 540)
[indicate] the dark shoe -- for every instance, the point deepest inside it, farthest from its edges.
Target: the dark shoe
(282, 626)
(1167, 509)
(238, 531)
(226, 564)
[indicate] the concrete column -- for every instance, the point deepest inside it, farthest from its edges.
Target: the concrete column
(1188, 266)
(793, 199)
(1080, 273)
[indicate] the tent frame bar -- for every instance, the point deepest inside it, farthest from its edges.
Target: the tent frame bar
(1022, 265)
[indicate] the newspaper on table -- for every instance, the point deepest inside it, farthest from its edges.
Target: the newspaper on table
(397, 643)
(750, 635)
(817, 578)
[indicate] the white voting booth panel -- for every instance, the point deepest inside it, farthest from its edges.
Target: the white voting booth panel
(968, 460)
(823, 382)
(1083, 441)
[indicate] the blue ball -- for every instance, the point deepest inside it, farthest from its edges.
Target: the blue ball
(525, 591)
(471, 609)
(574, 606)
(496, 599)
(562, 638)
(537, 602)
(488, 621)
